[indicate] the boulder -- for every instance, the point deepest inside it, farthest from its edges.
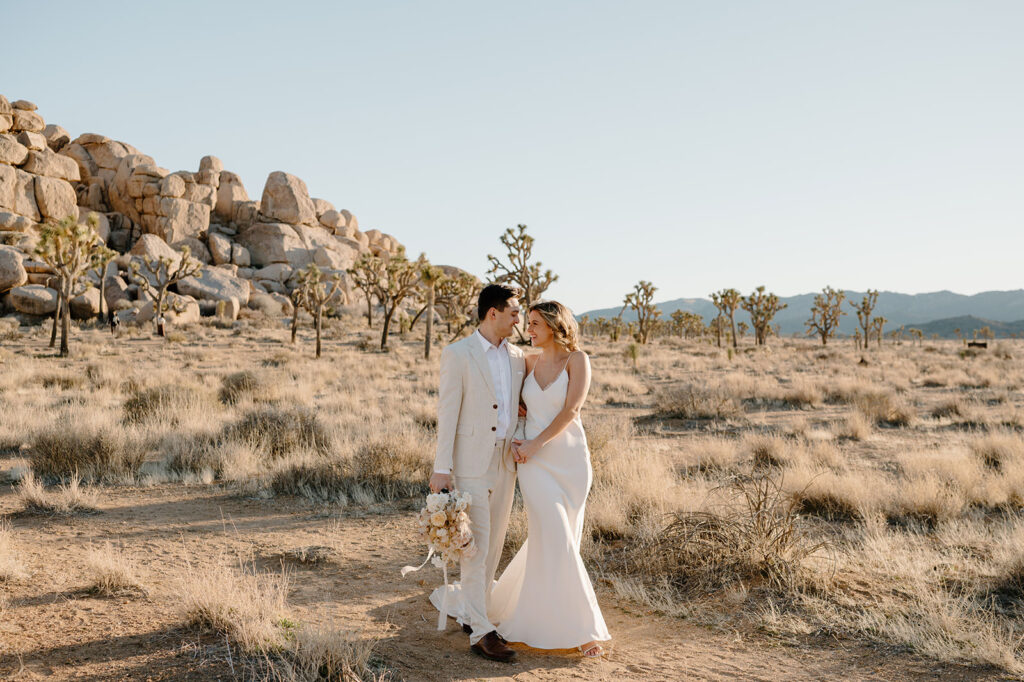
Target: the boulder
(154, 247)
(17, 192)
(6, 121)
(86, 304)
(333, 220)
(321, 206)
(117, 188)
(87, 167)
(12, 222)
(172, 186)
(56, 137)
(229, 191)
(180, 219)
(33, 299)
(115, 290)
(220, 248)
(334, 259)
(374, 236)
(24, 105)
(52, 164)
(107, 153)
(350, 220)
(28, 120)
(269, 304)
(210, 163)
(228, 309)
(275, 243)
(215, 284)
(286, 199)
(245, 213)
(55, 198)
(12, 272)
(240, 256)
(33, 141)
(12, 152)
(183, 310)
(278, 272)
(196, 247)
(5, 105)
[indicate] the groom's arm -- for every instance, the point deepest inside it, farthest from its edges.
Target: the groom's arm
(449, 404)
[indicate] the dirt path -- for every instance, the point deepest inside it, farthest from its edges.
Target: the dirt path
(52, 629)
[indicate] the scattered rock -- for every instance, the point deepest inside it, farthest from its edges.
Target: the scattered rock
(52, 164)
(286, 199)
(215, 284)
(55, 198)
(240, 256)
(220, 248)
(17, 192)
(56, 137)
(27, 120)
(12, 152)
(12, 272)
(32, 141)
(33, 299)
(86, 305)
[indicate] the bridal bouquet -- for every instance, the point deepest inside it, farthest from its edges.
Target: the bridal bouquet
(444, 526)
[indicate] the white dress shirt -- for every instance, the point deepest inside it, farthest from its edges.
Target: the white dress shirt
(501, 375)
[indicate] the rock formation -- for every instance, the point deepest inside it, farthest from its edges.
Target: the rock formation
(250, 249)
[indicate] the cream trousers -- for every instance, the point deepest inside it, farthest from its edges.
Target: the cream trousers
(488, 518)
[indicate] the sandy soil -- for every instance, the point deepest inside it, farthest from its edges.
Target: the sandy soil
(52, 629)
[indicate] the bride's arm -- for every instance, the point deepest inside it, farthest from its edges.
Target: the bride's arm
(579, 385)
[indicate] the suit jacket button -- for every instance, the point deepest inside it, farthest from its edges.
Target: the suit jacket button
(494, 428)
(494, 406)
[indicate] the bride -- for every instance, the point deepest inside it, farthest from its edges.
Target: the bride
(545, 598)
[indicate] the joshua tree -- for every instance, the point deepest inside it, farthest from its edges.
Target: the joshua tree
(100, 263)
(165, 272)
(825, 314)
(864, 310)
(614, 329)
(985, 333)
(457, 295)
(70, 248)
(399, 280)
(742, 328)
(878, 324)
(298, 303)
(762, 308)
(519, 270)
(727, 301)
(641, 301)
(916, 333)
(367, 273)
(633, 353)
(430, 275)
(316, 293)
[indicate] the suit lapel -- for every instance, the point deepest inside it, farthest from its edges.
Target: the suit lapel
(477, 353)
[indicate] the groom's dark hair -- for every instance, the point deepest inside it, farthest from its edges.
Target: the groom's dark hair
(495, 296)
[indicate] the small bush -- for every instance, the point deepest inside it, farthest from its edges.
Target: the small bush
(883, 409)
(111, 572)
(280, 431)
(64, 450)
(161, 402)
(323, 481)
(767, 450)
(698, 402)
(999, 449)
(236, 386)
(393, 467)
(10, 567)
(67, 499)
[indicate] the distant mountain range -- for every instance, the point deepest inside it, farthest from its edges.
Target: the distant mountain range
(939, 313)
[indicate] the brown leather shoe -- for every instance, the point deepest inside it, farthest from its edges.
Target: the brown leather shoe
(490, 646)
(468, 630)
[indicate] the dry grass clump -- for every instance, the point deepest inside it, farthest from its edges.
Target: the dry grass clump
(393, 466)
(326, 652)
(698, 402)
(11, 567)
(61, 380)
(884, 409)
(855, 426)
(64, 500)
(91, 451)
(845, 496)
(710, 455)
(112, 572)
(162, 403)
(756, 537)
(245, 605)
(320, 481)
(1008, 587)
(281, 430)
(927, 499)
(767, 450)
(238, 385)
(1000, 450)
(803, 394)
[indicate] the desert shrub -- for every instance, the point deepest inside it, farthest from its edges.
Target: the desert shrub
(698, 402)
(767, 450)
(194, 453)
(1008, 586)
(393, 467)
(884, 409)
(756, 536)
(161, 403)
(928, 500)
(802, 394)
(111, 571)
(244, 605)
(999, 449)
(234, 387)
(64, 500)
(64, 450)
(854, 427)
(320, 481)
(954, 407)
(63, 380)
(281, 430)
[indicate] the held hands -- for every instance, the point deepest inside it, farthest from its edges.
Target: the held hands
(439, 482)
(523, 450)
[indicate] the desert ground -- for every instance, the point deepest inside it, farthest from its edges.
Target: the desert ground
(221, 505)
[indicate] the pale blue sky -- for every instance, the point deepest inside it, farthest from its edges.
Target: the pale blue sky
(699, 145)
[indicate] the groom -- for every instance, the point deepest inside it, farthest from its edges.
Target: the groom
(478, 402)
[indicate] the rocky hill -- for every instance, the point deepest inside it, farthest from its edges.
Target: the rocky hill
(249, 249)
(929, 312)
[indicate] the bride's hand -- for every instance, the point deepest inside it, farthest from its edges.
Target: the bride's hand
(525, 449)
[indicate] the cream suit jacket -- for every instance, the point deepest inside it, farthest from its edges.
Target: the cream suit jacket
(467, 414)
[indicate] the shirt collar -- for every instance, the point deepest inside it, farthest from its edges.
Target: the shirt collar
(487, 345)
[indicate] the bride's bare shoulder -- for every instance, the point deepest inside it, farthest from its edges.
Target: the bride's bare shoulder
(578, 360)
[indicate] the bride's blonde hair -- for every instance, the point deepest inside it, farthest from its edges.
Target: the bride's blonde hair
(561, 322)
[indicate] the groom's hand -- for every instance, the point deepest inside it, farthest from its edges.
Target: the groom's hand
(439, 482)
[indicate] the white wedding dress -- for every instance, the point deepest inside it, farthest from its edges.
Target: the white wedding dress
(545, 598)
